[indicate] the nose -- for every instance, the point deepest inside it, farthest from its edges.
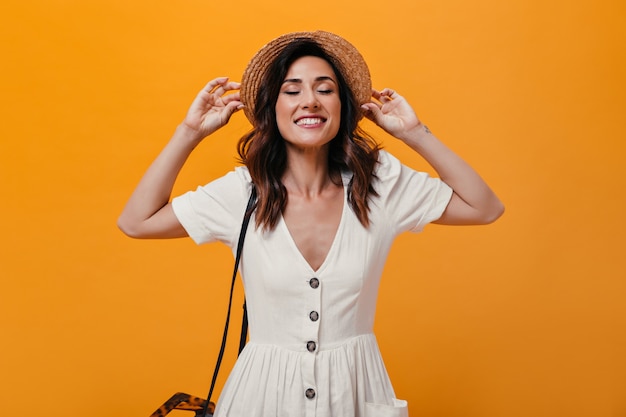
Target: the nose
(309, 100)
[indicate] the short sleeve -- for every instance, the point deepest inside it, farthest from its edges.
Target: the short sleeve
(410, 199)
(213, 212)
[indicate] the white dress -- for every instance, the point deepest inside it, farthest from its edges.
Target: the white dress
(311, 350)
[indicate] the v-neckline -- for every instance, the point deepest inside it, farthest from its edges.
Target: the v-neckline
(292, 242)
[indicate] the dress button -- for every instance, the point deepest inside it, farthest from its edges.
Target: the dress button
(310, 393)
(314, 282)
(311, 346)
(314, 315)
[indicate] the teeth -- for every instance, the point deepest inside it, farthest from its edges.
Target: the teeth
(309, 121)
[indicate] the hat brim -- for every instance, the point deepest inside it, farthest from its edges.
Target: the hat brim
(344, 55)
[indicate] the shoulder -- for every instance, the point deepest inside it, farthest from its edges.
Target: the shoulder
(243, 174)
(229, 191)
(235, 183)
(393, 178)
(239, 175)
(214, 211)
(388, 167)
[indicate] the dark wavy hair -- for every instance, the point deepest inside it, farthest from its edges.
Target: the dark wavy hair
(263, 149)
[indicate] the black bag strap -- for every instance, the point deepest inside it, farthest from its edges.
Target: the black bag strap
(244, 325)
(244, 328)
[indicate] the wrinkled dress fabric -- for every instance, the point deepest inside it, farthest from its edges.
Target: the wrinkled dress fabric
(311, 350)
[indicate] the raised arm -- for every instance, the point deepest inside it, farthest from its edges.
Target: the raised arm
(472, 202)
(148, 212)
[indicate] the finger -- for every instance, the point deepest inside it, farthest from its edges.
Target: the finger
(372, 111)
(230, 109)
(232, 85)
(214, 83)
(220, 90)
(203, 95)
(234, 106)
(231, 98)
(386, 95)
(371, 103)
(389, 92)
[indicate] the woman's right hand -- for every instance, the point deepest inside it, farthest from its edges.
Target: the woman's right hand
(148, 212)
(212, 107)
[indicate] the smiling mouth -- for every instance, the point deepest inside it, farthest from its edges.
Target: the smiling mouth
(310, 121)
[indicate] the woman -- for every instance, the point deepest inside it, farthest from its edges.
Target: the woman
(329, 205)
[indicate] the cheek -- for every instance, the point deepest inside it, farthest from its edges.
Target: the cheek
(282, 114)
(281, 127)
(334, 107)
(336, 111)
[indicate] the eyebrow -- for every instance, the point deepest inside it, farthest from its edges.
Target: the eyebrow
(298, 80)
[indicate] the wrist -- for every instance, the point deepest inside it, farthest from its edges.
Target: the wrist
(188, 134)
(416, 134)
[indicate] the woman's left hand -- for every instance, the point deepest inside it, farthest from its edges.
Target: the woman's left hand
(472, 201)
(392, 113)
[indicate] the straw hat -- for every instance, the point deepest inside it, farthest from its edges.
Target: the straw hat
(345, 56)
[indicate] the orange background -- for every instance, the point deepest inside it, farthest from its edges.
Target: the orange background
(525, 317)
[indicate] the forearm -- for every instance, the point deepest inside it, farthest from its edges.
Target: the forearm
(483, 206)
(154, 190)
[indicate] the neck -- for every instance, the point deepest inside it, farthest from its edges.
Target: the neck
(307, 171)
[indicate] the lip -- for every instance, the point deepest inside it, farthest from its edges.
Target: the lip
(321, 120)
